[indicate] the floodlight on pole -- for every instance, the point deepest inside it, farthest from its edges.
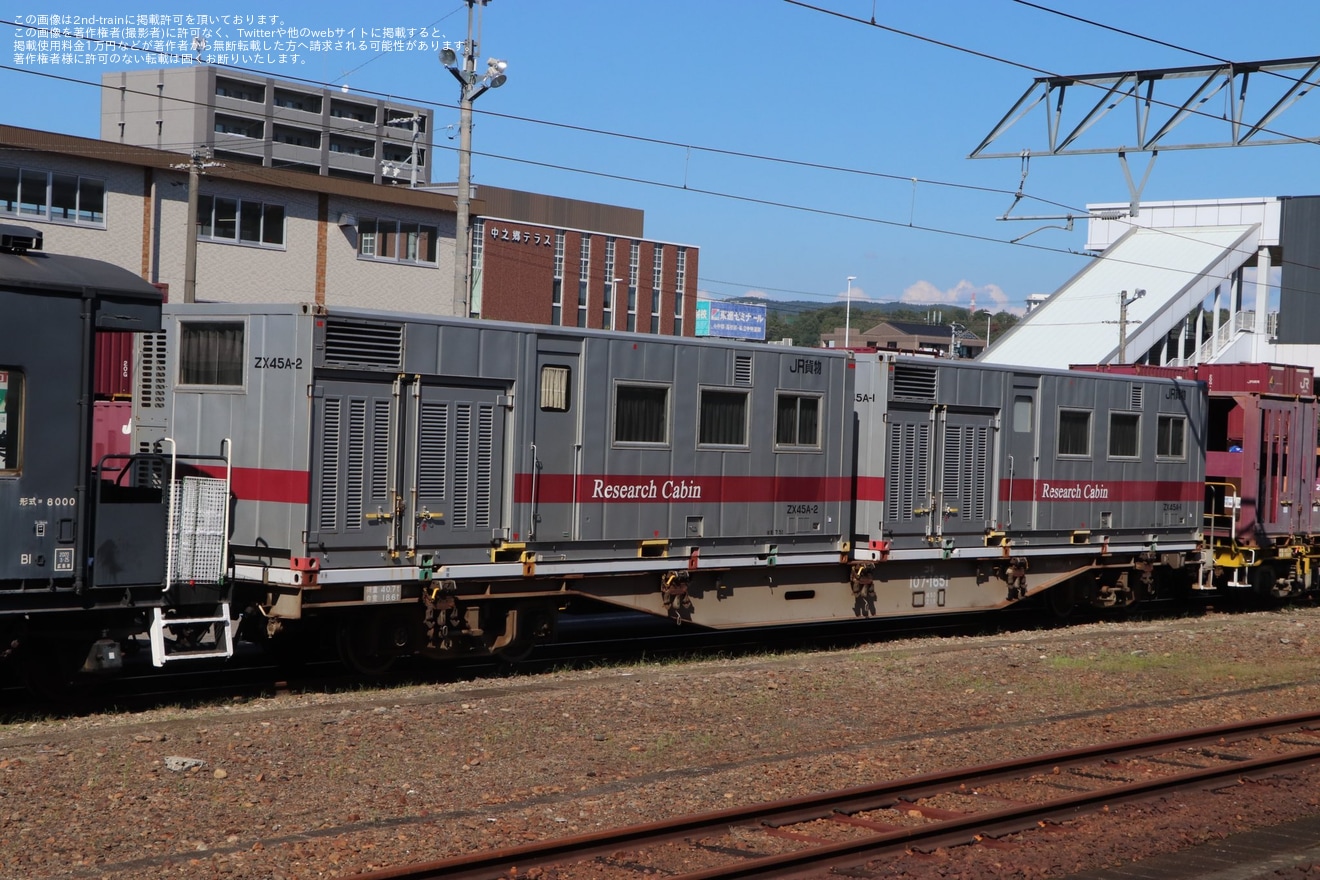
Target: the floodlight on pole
(471, 87)
(847, 311)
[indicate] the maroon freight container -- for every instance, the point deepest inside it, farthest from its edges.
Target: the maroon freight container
(1273, 379)
(114, 365)
(112, 432)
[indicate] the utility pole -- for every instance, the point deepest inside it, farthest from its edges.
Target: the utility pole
(470, 88)
(1123, 302)
(195, 164)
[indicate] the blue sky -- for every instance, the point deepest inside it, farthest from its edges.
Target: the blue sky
(663, 104)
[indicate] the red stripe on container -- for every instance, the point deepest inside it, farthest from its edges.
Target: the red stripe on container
(615, 489)
(1100, 491)
(265, 484)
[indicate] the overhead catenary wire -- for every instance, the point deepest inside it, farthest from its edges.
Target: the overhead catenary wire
(718, 151)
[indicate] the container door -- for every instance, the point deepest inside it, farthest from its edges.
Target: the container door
(909, 481)
(454, 467)
(555, 456)
(1020, 467)
(964, 481)
(355, 499)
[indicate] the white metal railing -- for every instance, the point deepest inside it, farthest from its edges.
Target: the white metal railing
(1240, 322)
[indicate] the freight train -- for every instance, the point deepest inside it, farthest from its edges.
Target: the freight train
(441, 486)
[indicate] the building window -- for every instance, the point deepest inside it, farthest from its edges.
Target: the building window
(723, 418)
(240, 90)
(356, 112)
(680, 288)
(211, 353)
(584, 274)
(1074, 432)
(478, 265)
(1124, 435)
(555, 388)
(53, 196)
(1171, 437)
(238, 220)
(11, 420)
(607, 304)
(634, 259)
(797, 420)
(657, 278)
(297, 101)
(396, 241)
(240, 127)
(557, 290)
(641, 414)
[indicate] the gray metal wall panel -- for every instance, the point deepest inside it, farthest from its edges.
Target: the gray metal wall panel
(1299, 299)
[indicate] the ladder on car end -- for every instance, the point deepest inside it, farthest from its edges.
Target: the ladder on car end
(218, 642)
(196, 553)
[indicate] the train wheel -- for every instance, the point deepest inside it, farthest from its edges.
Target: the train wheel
(50, 670)
(525, 626)
(1263, 580)
(372, 646)
(1062, 602)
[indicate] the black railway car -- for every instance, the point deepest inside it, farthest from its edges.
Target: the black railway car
(84, 559)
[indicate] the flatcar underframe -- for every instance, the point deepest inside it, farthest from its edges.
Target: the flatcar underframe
(504, 607)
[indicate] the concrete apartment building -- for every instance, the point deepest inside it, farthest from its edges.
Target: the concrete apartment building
(240, 117)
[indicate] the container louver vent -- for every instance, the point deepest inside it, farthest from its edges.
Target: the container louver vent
(330, 437)
(742, 369)
(462, 465)
(905, 489)
(355, 470)
(363, 345)
(485, 465)
(914, 382)
(152, 378)
(1134, 396)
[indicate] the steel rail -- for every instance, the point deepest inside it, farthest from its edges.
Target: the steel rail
(498, 863)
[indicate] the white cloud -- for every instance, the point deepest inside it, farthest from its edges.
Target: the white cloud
(988, 296)
(857, 294)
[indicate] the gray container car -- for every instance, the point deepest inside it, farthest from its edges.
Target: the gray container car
(381, 458)
(975, 477)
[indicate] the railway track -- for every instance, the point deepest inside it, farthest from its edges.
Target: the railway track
(848, 828)
(584, 640)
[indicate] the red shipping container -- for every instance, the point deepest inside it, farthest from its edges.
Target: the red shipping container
(112, 431)
(1268, 379)
(1282, 380)
(114, 365)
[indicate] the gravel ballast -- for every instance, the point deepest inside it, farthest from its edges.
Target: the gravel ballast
(329, 785)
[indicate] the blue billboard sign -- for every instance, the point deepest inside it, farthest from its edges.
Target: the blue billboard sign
(730, 320)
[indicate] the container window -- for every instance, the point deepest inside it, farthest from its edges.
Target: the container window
(555, 388)
(797, 420)
(211, 353)
(723, 419)
(641, 414)
(1124, 435)
(11, 420)
(1171, 437)
(1022, 419)
(1074, 432)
